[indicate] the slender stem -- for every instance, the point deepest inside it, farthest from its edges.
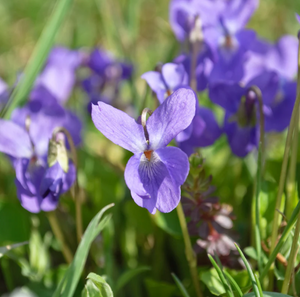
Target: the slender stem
(75, 192)
(59, 235)
(292, 259)
(189, 252)
(259, 98)
(196, 41)
(291, 129)
(291, 185)
(281, 241)
(294, 248)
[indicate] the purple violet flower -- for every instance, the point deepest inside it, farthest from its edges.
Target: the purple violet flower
(241, 122)
(25, 138)
(298, 17)
(203, 131)
(59, 74)
(104, 65)
(184, 12)
(155, 172)
(227, 34)
(38, 186)
(164, 83)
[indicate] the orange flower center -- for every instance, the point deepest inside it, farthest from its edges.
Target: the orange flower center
(148, 154)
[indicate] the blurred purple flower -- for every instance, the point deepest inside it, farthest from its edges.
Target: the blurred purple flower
(59, 74)
(227, 34)
(203, 131)
(104, 65)
(25, 138)
(205, 59)
(280, 57)
(298, 17)
(184, 12)
(241, 122)
(155, 173)
(38, 186)
(169, 79)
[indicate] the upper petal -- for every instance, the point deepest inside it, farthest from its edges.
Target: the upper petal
(171, 117)
(14, 140)
(174, 75)
(156, 83)
(118, 127)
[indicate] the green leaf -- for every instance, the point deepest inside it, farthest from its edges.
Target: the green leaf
(221, 276)
(255, 284)
(128, 275)
(67, 286)
(212, 281)
(155, 289)
(180, 286)
(96, 286)
(38, 56)
(168, 222)
(6, 249)
(267, 294)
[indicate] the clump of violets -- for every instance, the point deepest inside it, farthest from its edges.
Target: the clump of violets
(25, 138)
(208, 219)
(155, 172)
(229, 59)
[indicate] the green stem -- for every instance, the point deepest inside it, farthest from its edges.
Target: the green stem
(189, 252)
(281, 241)
(292, 259)
(293, 163)
(59, 235)
(261, 146)
(293, 123)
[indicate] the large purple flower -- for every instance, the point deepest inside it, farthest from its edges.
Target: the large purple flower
(164, 83)
(155, 173)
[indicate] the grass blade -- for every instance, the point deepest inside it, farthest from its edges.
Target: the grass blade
(180, 285)
(221, 276)
(234, 284)
(255, 285)
(67, 286)
(38, 57)
(283, 238)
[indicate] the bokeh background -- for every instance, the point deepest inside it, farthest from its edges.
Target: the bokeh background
(136, 31)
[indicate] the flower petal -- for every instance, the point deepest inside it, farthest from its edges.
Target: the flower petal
(156, 83)
(119, 127)
(132, 177)
(242, 140)
(176, 162)
(14, 140)
(280, 112)
(174, 75)
(173, 116)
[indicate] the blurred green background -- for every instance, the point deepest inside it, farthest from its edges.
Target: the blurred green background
(137, 31)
